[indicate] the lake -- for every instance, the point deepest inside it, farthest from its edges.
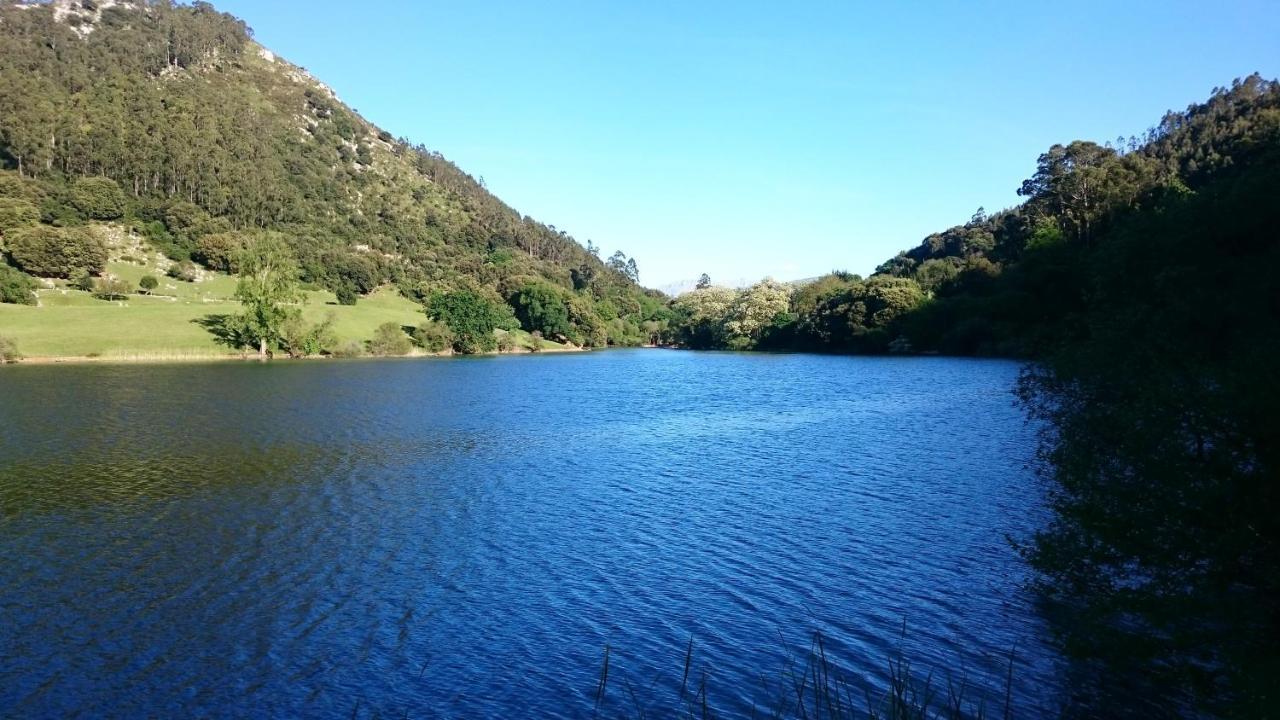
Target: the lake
(462, 538)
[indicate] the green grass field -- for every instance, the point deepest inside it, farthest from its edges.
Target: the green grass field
(72, 323)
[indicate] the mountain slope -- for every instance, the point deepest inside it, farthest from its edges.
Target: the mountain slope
(211, 138)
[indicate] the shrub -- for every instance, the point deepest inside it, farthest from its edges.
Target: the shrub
(16, 287)
(506, 343)
(349, 349)
(470, 317)
(98, 198)
(185, 271)
(433, 336)
(56, 252)
(542, 306)
(219, 251)
(388, 340)
(148, 283)
(81, 280)
(185, 220)
(15, 213)
(111, 288)
(9, 351)
(346, 295)
(300, 339)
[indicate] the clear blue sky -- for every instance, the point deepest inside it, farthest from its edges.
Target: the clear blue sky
(745, 139)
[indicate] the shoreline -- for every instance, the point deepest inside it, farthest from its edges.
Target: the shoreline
(179, 358)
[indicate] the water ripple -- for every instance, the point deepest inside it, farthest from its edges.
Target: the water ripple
(463, 538)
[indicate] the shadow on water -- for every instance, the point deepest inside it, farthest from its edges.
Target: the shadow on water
(276, 539)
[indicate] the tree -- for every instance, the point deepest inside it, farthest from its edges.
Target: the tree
(702, 315)
(219, 251)
(148, 283)
(99, 198)
(15, 213)
(704, 282)
(56, 252)
(388, 340)
(544, 307)
(268, 285)
(9, 350)
(16, 287)
(753, 309)
(433, 336)
(301, 339)
(470, 317)
(111, 287)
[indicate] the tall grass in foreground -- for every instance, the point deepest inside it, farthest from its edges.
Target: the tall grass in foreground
(812, 690)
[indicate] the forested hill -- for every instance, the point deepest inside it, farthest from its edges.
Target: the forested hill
(210, 139)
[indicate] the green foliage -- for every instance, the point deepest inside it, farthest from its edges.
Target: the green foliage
(174, 104)
(433, 336)
(753, 310)
(15, 213)
(543, 307)
(55, 252)
(219, 251)
(471, 318)
(185, 271)
(98, 198)
(80, 279)
(1165, 451)
(16, 287)
(148, 283)
(701, 316)
(389, 340)
(9, 350)
(111, 288)
(301, 339)
(268, 285)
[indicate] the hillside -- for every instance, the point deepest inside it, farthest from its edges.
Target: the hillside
(1021, 282)
(172, 123)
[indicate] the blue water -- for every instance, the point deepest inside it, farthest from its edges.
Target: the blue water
(462, 538)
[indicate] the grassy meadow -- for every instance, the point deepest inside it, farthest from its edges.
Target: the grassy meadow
(70, 323)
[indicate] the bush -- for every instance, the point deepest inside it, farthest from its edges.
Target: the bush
(346, 295)
(389, 340)
(56, 252)
(506, 343)
(98, 198)
(185, 220)
(349, 349)
(544, 307)
(219, 251)
(185, 271)
(301, 339)
(111, 288)
(470, 317)
(148, 283)
(433, 336)
(81, 280)
(16, 287)
(15, 213)
(9, 351)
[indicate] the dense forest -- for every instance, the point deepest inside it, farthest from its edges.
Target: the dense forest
(171, 120)
(1138, 277)
(1017, 282)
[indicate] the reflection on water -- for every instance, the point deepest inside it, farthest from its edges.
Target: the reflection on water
(462, 538)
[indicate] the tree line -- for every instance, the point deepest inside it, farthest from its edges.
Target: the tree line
(1138, 280)
(186, 131)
